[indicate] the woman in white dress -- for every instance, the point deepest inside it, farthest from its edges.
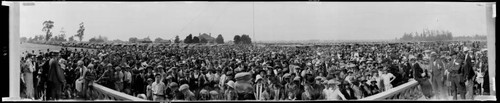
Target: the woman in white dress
(333, 92)
(387, 79)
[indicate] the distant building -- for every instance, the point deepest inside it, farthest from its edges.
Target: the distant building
(208, 37)
(164, 41)
(146, 40)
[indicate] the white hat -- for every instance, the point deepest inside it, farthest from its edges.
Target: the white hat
(297, 78)
(257, 78)
(183, 87)
(230, 83)
(243, 76)
(90, 65)
(412, 57)
(80, 62)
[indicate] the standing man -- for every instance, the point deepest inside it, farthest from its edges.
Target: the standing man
(55, 78)
(119, 79)
(456, 78)
(437, 71)
(422, 76)
(469, 74)
(158, 88)
(407, 71)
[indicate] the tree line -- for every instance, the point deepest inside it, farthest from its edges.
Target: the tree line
(427, 35)
(437, 35)
(48, 25)
(243, 39)
(190, 39)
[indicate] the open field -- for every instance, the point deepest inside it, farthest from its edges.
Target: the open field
(43, 48)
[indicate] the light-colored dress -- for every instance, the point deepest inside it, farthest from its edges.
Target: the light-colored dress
(387, 80)
(331, 94)
(28, 78)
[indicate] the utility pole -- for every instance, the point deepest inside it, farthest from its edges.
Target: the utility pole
(253, 20)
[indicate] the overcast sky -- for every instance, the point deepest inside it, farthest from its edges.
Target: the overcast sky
(273, 20)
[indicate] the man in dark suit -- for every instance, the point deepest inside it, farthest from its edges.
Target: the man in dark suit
(468, 74)
(55, 78)
(407, 71)
(437, 71)
(456, 78)
(347, 91)
(422, 76)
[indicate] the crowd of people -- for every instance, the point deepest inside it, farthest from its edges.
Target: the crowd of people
(245, 72)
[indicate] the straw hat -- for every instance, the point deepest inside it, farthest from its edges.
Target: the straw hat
(173, 84)
(287, 75)
(184, 87)
(230, 83)
(78, 63)
(318, 78)
(150, 80)
(90, 66)
(412, 57)
(243, 76)
(333, 82)
(169, 77)
(213, 92)
(257, 78)
(297, 78)
(203, 92)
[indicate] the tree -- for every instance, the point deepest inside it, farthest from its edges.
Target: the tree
(80, 32)
(195, 40)
(245, 39)
(117, 41)
(157, 40)
(71, 38)
(219, 39)
(47, 25)
(30, 39)
(237, 39)
(100, 39)
(61, 36)
(132, 39)
(24, 39)
(188, 39)
(177, 39)
(92, 40)
(147, 39)
(203, 40)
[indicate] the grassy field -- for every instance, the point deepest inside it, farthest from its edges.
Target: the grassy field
(36, 47)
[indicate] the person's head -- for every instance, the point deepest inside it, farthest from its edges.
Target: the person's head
(385, 70)
(318, 80)
(157, 77)
(291, 94)
(332, 84)
(346, 85)
(350, 73)
(150, 80)
(118, 68)
(375, 73)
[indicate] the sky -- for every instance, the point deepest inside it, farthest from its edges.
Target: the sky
(263, 21)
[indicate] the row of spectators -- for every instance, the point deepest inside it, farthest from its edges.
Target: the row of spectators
(245, 72)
